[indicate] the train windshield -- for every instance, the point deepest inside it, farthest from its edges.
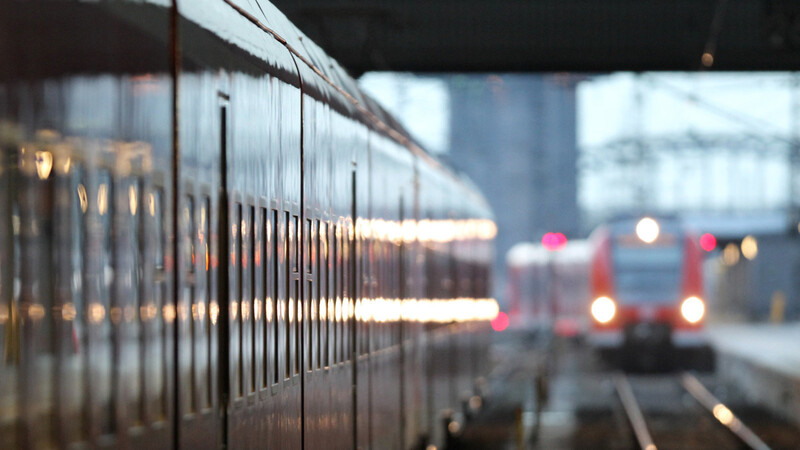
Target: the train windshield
(647, 273)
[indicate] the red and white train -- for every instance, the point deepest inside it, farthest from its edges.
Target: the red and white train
(634, 288)
(548, 289)
(646, 287)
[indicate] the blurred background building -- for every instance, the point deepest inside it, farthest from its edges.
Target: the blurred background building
(528, 124)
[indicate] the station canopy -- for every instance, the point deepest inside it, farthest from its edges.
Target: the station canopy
(553, 35)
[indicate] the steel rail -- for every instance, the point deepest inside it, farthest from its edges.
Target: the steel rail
(722, 413)
(634, 413)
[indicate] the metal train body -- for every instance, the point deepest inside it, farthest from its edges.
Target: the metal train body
(211, 237)
(646, 289)
(548, 291)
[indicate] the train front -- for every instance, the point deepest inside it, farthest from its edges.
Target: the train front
(647, 292)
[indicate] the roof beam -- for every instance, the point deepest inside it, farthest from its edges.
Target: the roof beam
(552, 35)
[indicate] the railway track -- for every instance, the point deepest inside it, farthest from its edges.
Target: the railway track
(680, 412)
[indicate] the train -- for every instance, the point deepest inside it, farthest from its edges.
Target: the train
(548, 289)
(633, 291)
(646, 293)
(212, 238)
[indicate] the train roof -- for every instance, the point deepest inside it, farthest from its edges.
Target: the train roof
(576, 250)
(325, 79)
(525, 253)
(528, 253)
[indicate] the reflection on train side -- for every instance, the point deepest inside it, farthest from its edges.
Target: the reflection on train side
(441, 231)
(426, 310)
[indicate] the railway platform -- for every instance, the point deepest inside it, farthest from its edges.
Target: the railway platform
(761, 363)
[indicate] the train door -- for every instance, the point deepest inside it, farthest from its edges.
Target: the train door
(200, 215)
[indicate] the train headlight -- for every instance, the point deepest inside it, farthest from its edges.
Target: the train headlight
(693, 309)
(603, 309)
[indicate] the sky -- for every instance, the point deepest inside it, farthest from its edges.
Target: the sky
(421, 103)
(680, 102)
(670, 104)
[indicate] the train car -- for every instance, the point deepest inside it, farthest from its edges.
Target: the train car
(647, 289)
(571, 283)
(548, 290)
(211, 238)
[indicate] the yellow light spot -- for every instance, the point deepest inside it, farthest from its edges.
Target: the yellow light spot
(133, 200)
(707, 59)
(102, 198)
(44, 164)
(693, 309)
(453, 427)
(213, 312)
(67, 165)
(36, 312)
(4, 315)
(603, 309)
(749, 247)
(257, 308)
(730, 255)
(168, 311)
(647, 230)
(269, 310)
(148, 312)
(96, 312)
(152, 201)
(723, 414)
(83, 197)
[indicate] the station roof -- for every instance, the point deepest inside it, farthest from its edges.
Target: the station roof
(552, 35)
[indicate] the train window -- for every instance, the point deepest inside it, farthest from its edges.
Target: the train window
(157, 338)
(135, 253)
(309, 296)
(188, 362)
(101, 253)
(337, 270)
(237, 309)
(286, 302)
(345, 293)
(204, 309)
(364, 339)
(338, 296)
(252, 300)
(322, 266)
(275, 298)
(296, 242)
(340, 317)
(265, 294)
(296, 304)
(73, 311)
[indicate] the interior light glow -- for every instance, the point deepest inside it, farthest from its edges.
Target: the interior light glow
(749, 247)
(603, 309)
(647, 230)
(730, 255)
(693, 309)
